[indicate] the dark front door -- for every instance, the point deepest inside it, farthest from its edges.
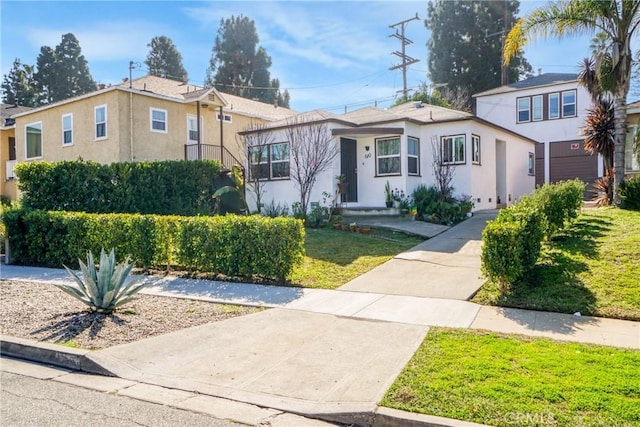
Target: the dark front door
(349, 168)
(12, 148)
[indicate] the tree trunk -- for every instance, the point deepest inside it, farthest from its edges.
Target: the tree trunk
(620, 118)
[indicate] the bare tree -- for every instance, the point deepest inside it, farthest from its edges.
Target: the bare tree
(313, 149)
(442, 171)
(255, 143)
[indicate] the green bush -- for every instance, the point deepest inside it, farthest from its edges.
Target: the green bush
(630, 193)
(511, 244)
(230, 245)
(558, 203)
(163, 188)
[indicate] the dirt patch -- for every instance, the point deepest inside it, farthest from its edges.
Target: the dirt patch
(42, 312)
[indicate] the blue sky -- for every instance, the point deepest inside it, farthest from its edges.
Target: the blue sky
(327, 54)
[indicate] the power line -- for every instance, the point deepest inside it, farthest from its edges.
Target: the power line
(406, 59)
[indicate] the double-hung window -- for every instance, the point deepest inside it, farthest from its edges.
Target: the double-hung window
(67, 129)
(536, 111)
(524, 110)
(192, 130)
(475, 149)
(158, 120)
(569, 103)
(413, 156)
(554, 106)
(453, 149)
(259, 162)
(100, 122)
(388, 156)
(279, 157)
(33, 138)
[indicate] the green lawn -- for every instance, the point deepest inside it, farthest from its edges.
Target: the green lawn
(593, 268)
(334, 257)
(506, 380)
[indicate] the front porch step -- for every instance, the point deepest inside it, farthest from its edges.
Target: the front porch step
(369, 211)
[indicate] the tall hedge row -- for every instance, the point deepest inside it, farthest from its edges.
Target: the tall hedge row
(230, 245)
(163, 188)
(512, 242)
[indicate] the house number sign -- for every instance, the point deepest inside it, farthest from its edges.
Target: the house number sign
(575, 146)
(367, 156)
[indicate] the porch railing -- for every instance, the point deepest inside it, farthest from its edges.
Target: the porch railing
(211, 152)
(10, 173)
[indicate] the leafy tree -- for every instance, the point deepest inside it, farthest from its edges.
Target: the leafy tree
(63, 72)
(238, 66)
(425, 95)
(164, 60)
(465, 45)
(18, 87)
(619, 20)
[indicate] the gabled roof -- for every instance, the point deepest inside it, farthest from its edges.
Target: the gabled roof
(7, 111)
(547, 79)
(253, 108)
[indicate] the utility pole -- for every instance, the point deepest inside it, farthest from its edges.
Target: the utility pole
(406, 60)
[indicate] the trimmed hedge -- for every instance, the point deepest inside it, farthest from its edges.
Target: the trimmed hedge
(512, 242)
(230, 245)
(163, 188)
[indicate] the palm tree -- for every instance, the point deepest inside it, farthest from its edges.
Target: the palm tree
(619, 20)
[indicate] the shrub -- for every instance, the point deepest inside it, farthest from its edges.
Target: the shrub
(630, 193)
(167, 187)
(105, 289)
(558, 203)
(511, 244)
(231, 245)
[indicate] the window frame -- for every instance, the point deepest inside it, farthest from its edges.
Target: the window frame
(272, 162)
(389, 156)
(453, 147)
(96, 137)
(574, 103)
(535, 98)
(269, 162)
(152, 120)
(475, 138)
(227, 117)
(556, 95)
(26, 140)
(519, 110)
(531, 166)
(413, 156)
(261, 177)
(195, 119)
(70, 130)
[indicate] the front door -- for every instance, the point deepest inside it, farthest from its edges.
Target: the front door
(349, 168)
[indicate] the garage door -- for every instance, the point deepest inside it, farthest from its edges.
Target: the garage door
(568, 160)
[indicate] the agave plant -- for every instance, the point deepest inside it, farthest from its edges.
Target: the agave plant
(103, 290)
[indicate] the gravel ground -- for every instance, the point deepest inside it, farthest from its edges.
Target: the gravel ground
(42, 312)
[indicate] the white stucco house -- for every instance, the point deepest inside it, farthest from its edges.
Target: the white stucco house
(493, 165)
(549, 108)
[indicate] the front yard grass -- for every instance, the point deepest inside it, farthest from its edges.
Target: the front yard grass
(334, 257)
(593, 268)
(507, 380)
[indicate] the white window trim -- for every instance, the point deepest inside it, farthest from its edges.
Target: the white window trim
(266, 161)
(531, 166)
(194, 118)
(26, 141)
(453, 145)
(574, 103)
(557, 94)
(479, 160)
(226, 116)
(415, 156)
(518, 110)
(96, 123)
(70, 115)
(271, 162)
(388, 156)
(533, 102)
(166, 120)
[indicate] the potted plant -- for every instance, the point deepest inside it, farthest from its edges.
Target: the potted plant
(342, 184)
(388, 195)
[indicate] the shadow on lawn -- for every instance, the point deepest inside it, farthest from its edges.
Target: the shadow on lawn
(74, 323)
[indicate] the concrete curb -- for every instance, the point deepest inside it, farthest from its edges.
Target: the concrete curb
(79, 360)
(52, 354)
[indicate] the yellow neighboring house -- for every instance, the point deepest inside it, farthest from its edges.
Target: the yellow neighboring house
(149, 118)
(8, 148)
